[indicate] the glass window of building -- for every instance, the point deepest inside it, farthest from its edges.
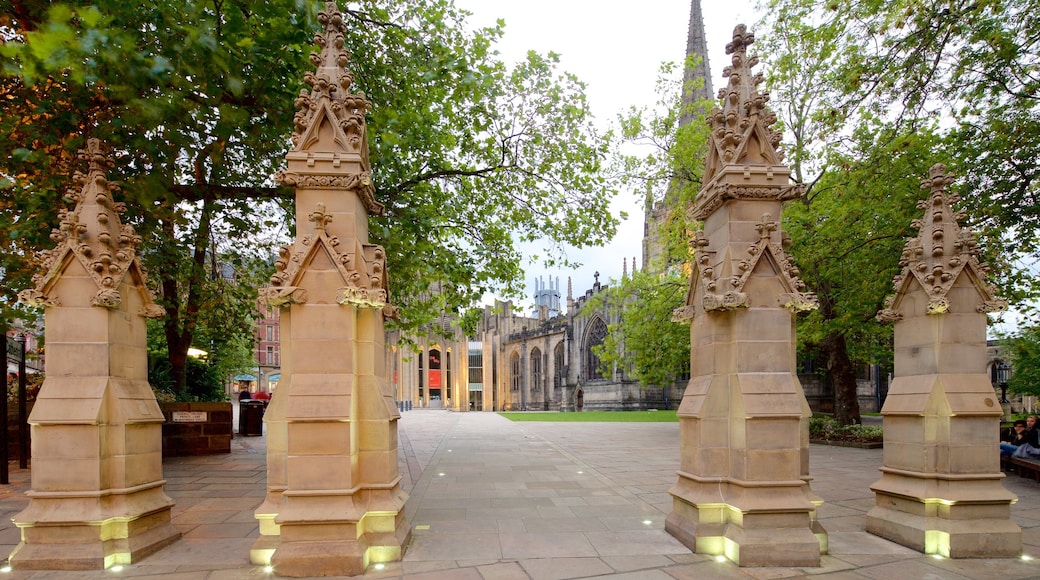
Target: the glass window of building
(514, 370)
(594, 337)
(558, 365)
(536, 369)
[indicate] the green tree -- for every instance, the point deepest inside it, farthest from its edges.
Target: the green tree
(1024, 351)
(663, 156)
(645, 340)
(971, 63)
(470, 156)
(847, 235)
(225, 331)
(861, 87)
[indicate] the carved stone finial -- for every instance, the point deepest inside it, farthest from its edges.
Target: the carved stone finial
(93, 234)
(96, 156)
(941, 252)
(742, 138)
(766, 226)
(330, 120)
(320, 217)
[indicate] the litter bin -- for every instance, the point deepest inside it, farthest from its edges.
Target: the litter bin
(250, 418)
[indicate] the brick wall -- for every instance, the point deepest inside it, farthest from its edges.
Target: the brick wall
(210, 437)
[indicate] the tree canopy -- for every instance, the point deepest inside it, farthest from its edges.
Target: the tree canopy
(1023, 348)
(470, 156)
(644, 340)
(965, 70)
(871, 95)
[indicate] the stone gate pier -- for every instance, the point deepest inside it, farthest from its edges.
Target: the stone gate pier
(940, 490)
(334, 503)
(97, 496)
(743, 488)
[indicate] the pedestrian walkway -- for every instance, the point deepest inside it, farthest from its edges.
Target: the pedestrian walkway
(493, 499)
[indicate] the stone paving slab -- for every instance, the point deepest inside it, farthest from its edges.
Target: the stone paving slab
(497, 500)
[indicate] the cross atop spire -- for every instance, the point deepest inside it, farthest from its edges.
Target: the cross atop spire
(742, 39)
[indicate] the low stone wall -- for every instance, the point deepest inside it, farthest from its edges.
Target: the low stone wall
(196, 429)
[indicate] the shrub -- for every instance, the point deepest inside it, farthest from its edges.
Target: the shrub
(827, 428)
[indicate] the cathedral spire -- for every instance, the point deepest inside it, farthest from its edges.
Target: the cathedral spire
(656, 212)
(696, 45)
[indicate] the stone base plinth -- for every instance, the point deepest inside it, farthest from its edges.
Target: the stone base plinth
(766, 525)
(64, 534)
(345, 541)
(968, 518)
(270, 533)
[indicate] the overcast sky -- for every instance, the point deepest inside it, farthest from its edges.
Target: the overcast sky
(617, 50)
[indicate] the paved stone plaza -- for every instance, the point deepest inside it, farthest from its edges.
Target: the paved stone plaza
(494, 499)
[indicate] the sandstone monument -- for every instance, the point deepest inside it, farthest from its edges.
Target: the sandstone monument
(334, 503)
(743, 488)
(97, 495)
(940, 490)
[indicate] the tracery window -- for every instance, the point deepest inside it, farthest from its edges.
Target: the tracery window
(595, 336)
(558, 365)
(514, 371)
(536, 369)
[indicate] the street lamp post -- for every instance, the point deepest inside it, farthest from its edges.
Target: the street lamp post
(1003, 372)
(23, 436)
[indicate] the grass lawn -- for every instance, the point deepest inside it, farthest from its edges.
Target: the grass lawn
(596, 416)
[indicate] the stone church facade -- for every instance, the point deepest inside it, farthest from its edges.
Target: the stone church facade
(515, 362)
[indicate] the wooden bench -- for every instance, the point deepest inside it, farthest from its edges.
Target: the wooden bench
(1024, 467)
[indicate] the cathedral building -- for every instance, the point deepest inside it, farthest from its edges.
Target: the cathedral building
(517, 362)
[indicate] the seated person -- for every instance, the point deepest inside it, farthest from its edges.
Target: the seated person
(1032, 431)
(1018, 437)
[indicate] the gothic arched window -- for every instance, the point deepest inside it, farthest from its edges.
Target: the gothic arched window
(558, 365)
(514, 371)
(536, 369)
(595, 336)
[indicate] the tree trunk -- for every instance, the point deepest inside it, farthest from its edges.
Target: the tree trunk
(182, 316)
(843, 378)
